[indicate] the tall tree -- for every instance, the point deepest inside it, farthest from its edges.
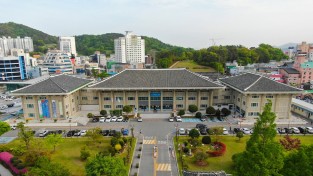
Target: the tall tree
(53, 140)
(127, 109)
(44, 167)
(4, 127)
(25, 134)
(105, 165)
(94, 134)
(263, 155)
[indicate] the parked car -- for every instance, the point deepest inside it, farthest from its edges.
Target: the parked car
(77, 133)
(187, 131)
(105, 132)
(302, 129)
(95, 119)
(200, 125)
(125, 132)
(203, 131)
(281, 130)
(309, 130)
(139, 119)
(112, 132)
(236, 130)
(203, 118)
(225, 131)
(13, 127)
(181, 131)
(108, 119)
(120, 119)
(70, 133)
(43, 133)
(171, 119)
(8, 99)
(102, 120)
(83, 132)
(295, 130)
(178, 119)
(288, 131)
(246, 131)
(113, 119)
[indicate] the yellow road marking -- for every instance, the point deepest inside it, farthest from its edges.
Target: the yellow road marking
(148, 141)
(163, 167)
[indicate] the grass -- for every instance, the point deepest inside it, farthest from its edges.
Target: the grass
(193, 66)
(68, 152)
(225, 162)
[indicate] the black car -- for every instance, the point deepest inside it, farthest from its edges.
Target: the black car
(200, 125)
(236, 130)
(203, 131)
(105, 132)
(288, 131)
(70, 133)
(95, 119)
(112, 132)
(302, 130)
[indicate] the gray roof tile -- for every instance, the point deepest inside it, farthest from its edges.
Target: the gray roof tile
(56, 84)
(155, 78)
(248, 82)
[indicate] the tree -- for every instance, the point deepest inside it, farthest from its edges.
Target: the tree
(45, 167)
(25, 134)
(181, 112)
(90, 115)
(218, 113)
(193, 108)
(290, 143)
(217, 131)
(210, 110)
(103, 75)
(127, 109)
(194, 133)
(103, 112)
(94, 73)
(4, 127)
(263, 155)
(117, 147)
(54, 140)
(105, 165)
(239, 135)
(198, 115)
(94, 134)
(200, 157)
(225, 111)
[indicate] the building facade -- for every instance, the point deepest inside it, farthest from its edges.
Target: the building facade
(13, 68)
(130, 48)
(165, 90)
(67, 45)
(6, 44)
(58, 62)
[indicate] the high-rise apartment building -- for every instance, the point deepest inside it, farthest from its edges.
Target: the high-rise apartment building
(68, 45)
(129, 49)
(6, 44)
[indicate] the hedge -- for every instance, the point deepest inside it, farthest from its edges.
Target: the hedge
(220, 149)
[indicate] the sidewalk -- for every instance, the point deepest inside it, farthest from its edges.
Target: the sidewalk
(4, 171)
(135, 159)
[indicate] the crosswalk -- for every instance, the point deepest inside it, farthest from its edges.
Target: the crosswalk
(152, 140)
(149, 142)
(163, 167)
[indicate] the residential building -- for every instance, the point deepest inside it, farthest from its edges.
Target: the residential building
(147, 90)
(67, 45)
(6, 44)
(12, 68)
(129, 49)
(291, 76)
(58, 62)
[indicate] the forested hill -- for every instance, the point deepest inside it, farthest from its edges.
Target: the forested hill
(85, 44)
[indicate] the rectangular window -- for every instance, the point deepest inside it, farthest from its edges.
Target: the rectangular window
(203, 105)
(191, 98)
(30, 105)
(226, 97)
(254, 104)
(215, 97)
(179, 98)
(253, 114)
(106, 98)
(118, 98)
(107, 106)
(143, 98)
(238, 99)
(29, 98)
(269, 96)
(84, 98)
(42, 98)
(168, 98)
(179, 106)
(204, 98)
(255, 96)
(131, 98)
(119, 106)
(31, 115)
(155, 98)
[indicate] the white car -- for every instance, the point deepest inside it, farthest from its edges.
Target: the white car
(108, 119)
(8, 99)
(43, 133)
(178, 119)
(114, 118)
(309, 130)
(182, 131)
(102, 120)
(171, 119)
(13, 127)
(246, 131)
(83, 132)
(139, 119)
(225, 131)
(295, 130)
(120, 119)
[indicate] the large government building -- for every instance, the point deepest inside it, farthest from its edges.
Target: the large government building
(160, 90)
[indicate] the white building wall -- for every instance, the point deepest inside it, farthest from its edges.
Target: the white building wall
(68, 45)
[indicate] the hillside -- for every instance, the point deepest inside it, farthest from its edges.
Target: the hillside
(85, 44)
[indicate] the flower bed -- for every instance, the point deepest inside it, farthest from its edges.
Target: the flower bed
(219, 149)
(5, 159)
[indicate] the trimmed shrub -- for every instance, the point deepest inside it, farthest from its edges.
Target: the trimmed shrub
(121, 142)
(198, 115)
(124, 139)
(219, 149)
(140, 148)
(186, 150)
(181, 112)
(185, 143)
(84, 154)
(206, 140)
(138, 156)
(137, 165)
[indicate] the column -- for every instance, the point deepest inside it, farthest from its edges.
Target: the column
(35, 100)
(198, 99)
(275, 104)
(211, 98)
(161, 100)
(112, 100)
(186, 100)
(149, 100)
(125, 100)
(248, 104)
(100, 100)
(261, 104)
(136, 100)
(174, 100)
(64, 107)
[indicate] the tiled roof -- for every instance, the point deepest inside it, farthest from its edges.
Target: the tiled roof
(156, 78)
(291, 71)
(56, 84)
(249, 82)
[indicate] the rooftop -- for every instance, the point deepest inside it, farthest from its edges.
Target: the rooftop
(61, 84)
(249, 82)
(156, 79)
(291, 71)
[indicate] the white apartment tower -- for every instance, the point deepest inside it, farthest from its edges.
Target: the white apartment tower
(67, 45)
(7, 44)
(129, 49)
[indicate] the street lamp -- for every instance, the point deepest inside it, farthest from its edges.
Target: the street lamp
(176, 128)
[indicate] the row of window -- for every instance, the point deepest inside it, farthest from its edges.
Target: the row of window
(177, 106)
(147, 98)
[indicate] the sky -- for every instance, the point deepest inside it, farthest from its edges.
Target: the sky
(188, 23)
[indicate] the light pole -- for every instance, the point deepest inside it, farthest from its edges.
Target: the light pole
(176, 128)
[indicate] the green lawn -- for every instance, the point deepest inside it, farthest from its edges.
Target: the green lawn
(225, 162)
(193, 66)
(68, 153)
